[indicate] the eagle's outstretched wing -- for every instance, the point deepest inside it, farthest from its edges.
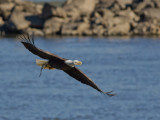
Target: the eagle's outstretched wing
(28, 42)
(80, 76)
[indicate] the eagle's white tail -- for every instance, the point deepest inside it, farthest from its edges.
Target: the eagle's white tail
(44, 64)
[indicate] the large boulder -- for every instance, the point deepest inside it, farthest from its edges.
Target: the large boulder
(147, 28)
(17, 21)
(98, 30)
(151, 13)
(105, 13)
(30, 7)
(69, 28)
(24, 15)
(124, 3)
(53, 25)
(119, 29)
(59, 12)
(80, 7)
(9, 1)
(139, 6)
(157, 3)
(105, 4)
(1, 21)
(115, 7)
(82, 28)
(37, 32)
(75, 28)
(1, 26)
(52, 11)
(115, 21)
(5, 10)
(47, 11)
(128, 14)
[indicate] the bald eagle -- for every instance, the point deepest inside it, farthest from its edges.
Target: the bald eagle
(55, 62)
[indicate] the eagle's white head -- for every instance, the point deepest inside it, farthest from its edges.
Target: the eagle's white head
(72, 63)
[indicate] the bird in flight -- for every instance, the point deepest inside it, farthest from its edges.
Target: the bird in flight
(55, 62)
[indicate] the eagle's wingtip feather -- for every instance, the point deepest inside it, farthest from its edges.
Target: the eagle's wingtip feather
(109, 93)
(26, 38)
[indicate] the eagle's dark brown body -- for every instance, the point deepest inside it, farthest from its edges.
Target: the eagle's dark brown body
(59, 63)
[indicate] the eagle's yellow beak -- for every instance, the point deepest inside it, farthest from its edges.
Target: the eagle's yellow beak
(78, 63)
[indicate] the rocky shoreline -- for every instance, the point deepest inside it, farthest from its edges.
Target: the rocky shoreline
(81, 17)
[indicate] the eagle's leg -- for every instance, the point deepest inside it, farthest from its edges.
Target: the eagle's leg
(43, 66)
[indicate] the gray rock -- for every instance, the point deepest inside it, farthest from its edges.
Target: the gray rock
(80, 7)
(5, 1)
(105, 4)
(142, 5)
(47, 11)
(17, 21)
(97, 21)
(110, 22)
(115, 7)
(119, 29)
(72, 13)
(69, 29)
(81, 27)
(128, 14)
(105, 13)
(76, 28)
(151, 13)
(157, 3)
(53, 25)
(59, 12)
(39, 8)
(98, 30)
(124, 3)
(34, 31)
(29, 7)
(9, 1)
(87, 32)
(1, 21)
(5, 10)
(147, 28)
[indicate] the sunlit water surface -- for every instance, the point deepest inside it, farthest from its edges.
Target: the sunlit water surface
(129, 66)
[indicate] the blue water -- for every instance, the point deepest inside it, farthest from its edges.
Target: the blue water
(129, 66)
